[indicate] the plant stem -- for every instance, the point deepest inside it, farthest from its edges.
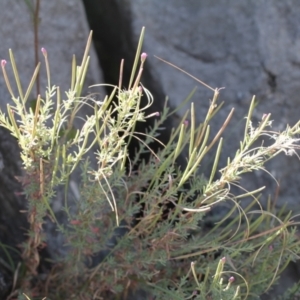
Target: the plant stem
(36, 42)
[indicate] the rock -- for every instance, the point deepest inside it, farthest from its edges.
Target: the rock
(250, 49)
(13, 223)
(115, 41)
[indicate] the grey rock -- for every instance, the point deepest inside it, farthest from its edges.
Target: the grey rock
(63, 31)
(248, 47)
(12, 222)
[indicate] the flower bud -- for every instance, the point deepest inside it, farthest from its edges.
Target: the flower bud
(95, 229)
(44, 51)
(156, 114)
(75, 222)
(3, 63)
(143, 56)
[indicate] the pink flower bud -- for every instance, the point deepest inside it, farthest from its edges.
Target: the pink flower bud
(75, 222)
(223, 260)
(95, 229)
(44, 51)
(231, 279)
(143, 56)
(156, 114)
(3, 63)
(186, 123)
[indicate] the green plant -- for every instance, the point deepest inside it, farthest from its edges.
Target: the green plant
(144, 227)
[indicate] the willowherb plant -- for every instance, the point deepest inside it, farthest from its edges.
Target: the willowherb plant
(143, 227)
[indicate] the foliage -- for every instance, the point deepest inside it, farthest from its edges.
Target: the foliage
(143, 227)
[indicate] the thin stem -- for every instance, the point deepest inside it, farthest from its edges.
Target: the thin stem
(36, 41)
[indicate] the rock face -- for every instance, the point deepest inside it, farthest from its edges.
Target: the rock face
(114, 40)
(12, 223)
(250, 48)
(63, 31)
